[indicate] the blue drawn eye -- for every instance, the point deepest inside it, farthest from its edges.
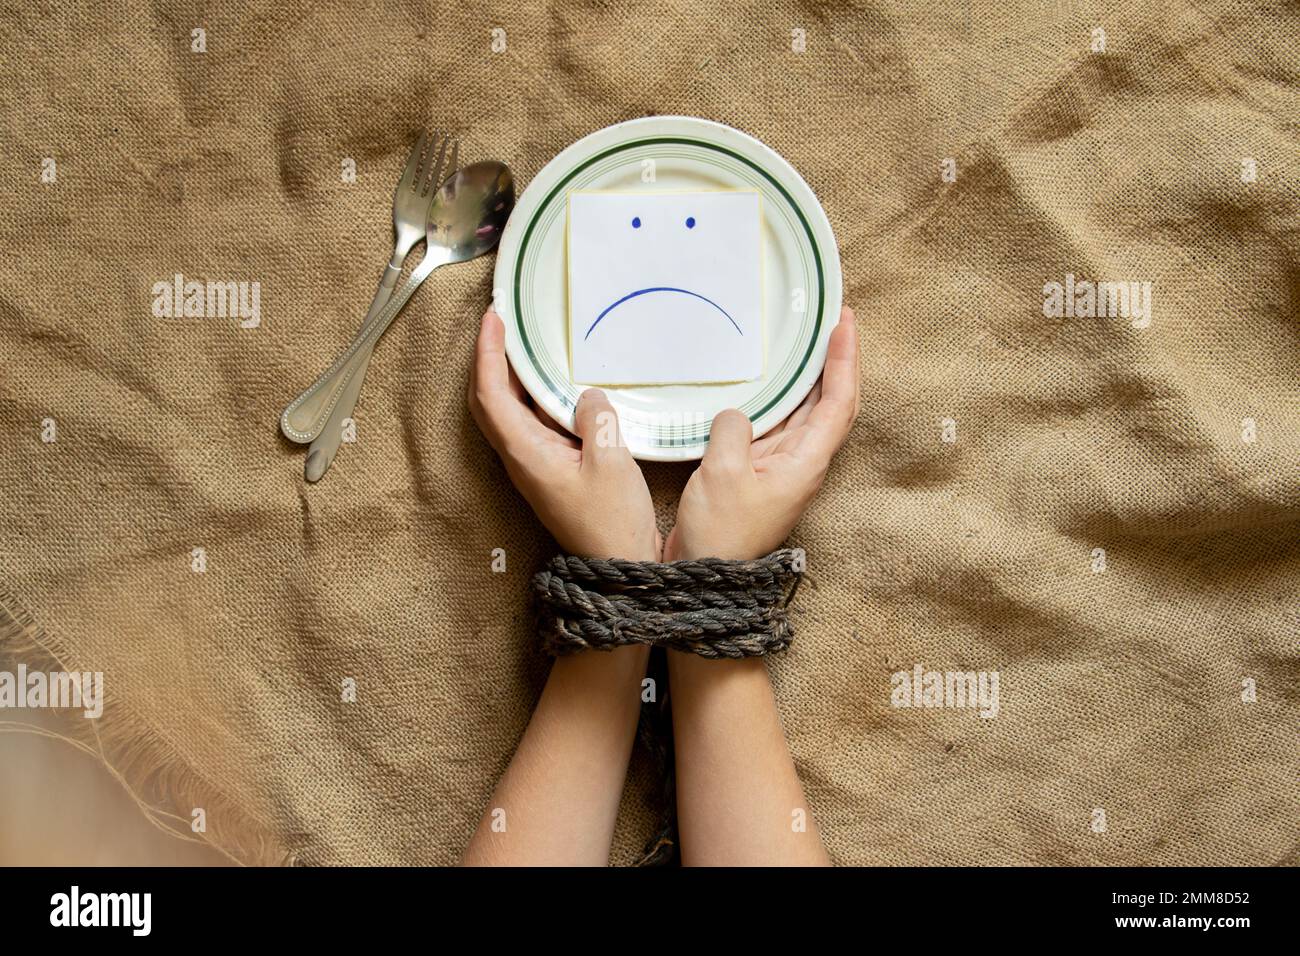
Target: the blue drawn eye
(636, 222)
(690, 222)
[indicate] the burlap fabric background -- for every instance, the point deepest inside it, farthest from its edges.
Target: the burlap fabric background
(1120, 690)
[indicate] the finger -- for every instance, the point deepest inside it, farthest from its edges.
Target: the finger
(554, 430)
(490, 370)
(769, 441)
(831, 419)
(793, 421)
(841, 378)
(597, 425)
(787, 422)
(800, 414)
(729, 443)
(516, 386)
(495, 402)
(790, 423)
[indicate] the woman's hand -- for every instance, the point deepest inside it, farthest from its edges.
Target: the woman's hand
(737, 789)
(590, 494)
(747, 495)
(592, 498)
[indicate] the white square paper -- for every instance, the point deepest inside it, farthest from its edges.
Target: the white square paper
(665, 288)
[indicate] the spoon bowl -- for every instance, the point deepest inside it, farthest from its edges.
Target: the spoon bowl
(470, 210)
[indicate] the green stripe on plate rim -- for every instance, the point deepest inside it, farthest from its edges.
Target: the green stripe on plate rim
(667, 141)
(777, 378)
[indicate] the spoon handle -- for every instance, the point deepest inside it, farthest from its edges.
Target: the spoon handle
(305, 417)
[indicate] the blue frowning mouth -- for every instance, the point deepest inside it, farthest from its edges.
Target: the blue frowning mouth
(659, 288)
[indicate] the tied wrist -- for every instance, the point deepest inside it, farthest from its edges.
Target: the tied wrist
(712, 607)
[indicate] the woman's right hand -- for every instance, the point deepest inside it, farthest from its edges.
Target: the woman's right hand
(588, 491)
(747, 495)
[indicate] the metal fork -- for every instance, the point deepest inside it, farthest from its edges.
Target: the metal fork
(411, 200)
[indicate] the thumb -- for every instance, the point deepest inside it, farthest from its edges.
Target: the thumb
(729, 441)
(597, 425)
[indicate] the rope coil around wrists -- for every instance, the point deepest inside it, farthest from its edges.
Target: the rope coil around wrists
(710, 606)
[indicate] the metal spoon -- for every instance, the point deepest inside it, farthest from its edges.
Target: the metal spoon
(465, 221)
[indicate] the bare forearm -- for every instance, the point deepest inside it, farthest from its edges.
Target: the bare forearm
(739, 800)
(557, 801)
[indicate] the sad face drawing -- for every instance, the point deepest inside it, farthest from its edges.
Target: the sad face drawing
(664, 288)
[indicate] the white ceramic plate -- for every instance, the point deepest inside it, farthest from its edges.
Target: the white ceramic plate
(801, 277)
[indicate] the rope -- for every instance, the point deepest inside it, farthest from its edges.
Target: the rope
(711, 607)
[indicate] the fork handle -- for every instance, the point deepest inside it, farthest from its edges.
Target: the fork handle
(305, 417)
(320, 455)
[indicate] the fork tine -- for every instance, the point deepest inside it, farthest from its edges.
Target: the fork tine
(453, 164)
(447, 168)
(411, 173)
(435, 170)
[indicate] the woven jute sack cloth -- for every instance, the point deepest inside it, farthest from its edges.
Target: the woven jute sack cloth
(1101, 511)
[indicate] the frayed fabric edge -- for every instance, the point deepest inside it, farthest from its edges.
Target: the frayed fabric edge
(146, 766)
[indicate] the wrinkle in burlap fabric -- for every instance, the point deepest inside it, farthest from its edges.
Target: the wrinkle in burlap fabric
(998, 453)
